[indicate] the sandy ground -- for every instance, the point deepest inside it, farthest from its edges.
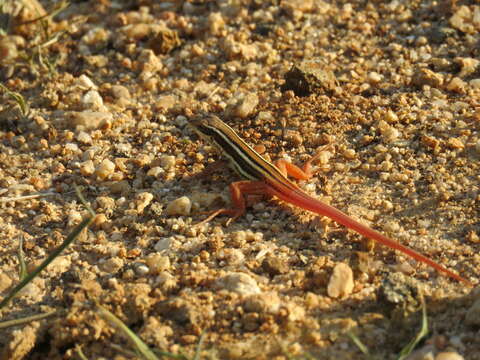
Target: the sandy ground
(389, 92)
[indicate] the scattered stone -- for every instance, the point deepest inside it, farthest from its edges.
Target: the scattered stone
(92, 100)
(120, 91)
(275, 266)
(455, 143)
(157, 262)
(240, 283)
(84, 138)
(165, 102)
(400, 290)
(181, 206)
(234, 49)
(8, 50)
(216, 24)
(163, 244)
(374, 77)
(166, 281)
(466, 20)
(423, 76)
(21, 341)
(87, 168)
(164, 41)
(60, 265)
(167, 162)
(468, 65)
(112, 265)
(457, 85)
(266, 303)
(149, 62)
(341, 282)
(142, 269)
(142, 200)
(448, 355)
(89, 120)
(104, 169)
(242, 105)
(310, 77)
(474, 84)
(85, 83)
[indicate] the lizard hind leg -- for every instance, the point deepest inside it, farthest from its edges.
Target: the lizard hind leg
(240, 192)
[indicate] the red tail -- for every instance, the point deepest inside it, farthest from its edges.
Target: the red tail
(306, 202)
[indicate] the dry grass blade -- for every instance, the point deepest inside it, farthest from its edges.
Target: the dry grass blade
(22, 273)
(80, 353)
(199, 347)
(140, 346)
(406, 351)
(359, 344)
(70, 238)
(25, 320)
(420, 335)
(26, 197)
(18, 98)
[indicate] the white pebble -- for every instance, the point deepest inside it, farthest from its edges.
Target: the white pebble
(240, 283)
(85, 82)
(84, 138)
(163, 244)
(374, 77)
(92, 100)
(142, 200)
(448, 355)
(167, 161)
(341, 281)
(112, 265)
(142, 270)
(87, 168)
(180, 206)
(104, 169)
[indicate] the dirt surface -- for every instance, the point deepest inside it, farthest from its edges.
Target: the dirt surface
(389, 92)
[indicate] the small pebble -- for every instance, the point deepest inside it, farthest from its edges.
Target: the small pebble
(90, 119)
(167, 161)
(142, 270)
(448, 355)
(86, 83)
(142, 200)
(166, 281)
(104, 169)
(157, 262)
(240, 283)
(341, 282)
(112, 265)
(215, 23)
(87, 168)
(163, 244)
(92, 100)
(165, 102)
(474, 84)
(455, 143)
(84, 138)
(374, 77)
(180, 206)
(266, 303)
(243, 105)
(120, 91)
(457, 85)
